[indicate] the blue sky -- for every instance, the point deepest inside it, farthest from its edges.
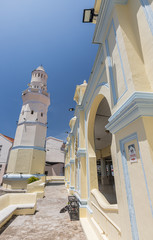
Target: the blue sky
(51, 33)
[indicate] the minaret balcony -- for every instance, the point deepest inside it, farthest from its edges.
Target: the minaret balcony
(35, 90)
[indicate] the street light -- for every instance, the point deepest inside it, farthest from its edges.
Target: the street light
(88, 15)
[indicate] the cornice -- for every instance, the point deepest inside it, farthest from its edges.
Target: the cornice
(75, 127)
(81, 152)
(33, 123)
(28, 147)
(103, 18)
(120, 1)
(138, 105)
(20, 176)
(72, 160)
(67, 165)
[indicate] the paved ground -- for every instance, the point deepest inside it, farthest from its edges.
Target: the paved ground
(47, 223)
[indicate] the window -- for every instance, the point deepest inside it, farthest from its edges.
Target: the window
(41, 75)
(32, 112)
(41, 114)
(23, 112)
(38, 74)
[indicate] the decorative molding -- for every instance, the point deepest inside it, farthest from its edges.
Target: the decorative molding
(87, 207)
(138, 105)
(121, 1)
(104, 15)
(31, 101)
(20, 176)
(81, 201)
(76, 123)
(34, 122)
(98, 84)
(115, 98)
(148, 13)
(72, 161)
(105, 11)
(128, 187)
(81, 152)
(67, 165)
(92, 83)
(28, 147)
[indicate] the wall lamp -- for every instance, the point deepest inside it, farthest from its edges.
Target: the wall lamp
(71, 109)
(88, 15)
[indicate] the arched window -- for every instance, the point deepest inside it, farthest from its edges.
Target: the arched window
(38, 74)
(41, 75)
(41, 114)
(32, 112)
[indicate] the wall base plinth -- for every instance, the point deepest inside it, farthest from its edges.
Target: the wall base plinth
(18, 181)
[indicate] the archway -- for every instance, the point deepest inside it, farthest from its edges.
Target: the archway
(99, 148)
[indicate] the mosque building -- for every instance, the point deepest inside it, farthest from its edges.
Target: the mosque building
(27, 156)
(109, 150)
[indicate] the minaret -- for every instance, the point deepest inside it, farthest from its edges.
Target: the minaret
(27, 157)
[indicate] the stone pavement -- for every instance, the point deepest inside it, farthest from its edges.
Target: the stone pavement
(47, 223)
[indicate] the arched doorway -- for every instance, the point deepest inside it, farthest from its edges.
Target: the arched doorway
(103, 140)
(99, 145)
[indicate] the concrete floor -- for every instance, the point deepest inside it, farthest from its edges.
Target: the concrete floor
(47, 223)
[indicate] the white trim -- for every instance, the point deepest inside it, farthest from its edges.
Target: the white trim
(81, 152)
(139, 104)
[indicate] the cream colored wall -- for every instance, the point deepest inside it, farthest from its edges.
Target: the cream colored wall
(26, 161)
(17, 184)
(29, 135)
(16, 199)
(82, 130)
(38, 162)
(144, 36)
(140, 182)
(130, 26)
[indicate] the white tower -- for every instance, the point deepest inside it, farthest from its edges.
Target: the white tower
(28, 154)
